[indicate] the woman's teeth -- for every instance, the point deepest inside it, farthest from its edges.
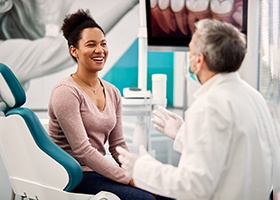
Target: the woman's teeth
(97, 59)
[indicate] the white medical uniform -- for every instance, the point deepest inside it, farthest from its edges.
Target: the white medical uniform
(227, 147)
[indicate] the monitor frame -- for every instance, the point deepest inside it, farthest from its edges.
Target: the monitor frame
(178, 42)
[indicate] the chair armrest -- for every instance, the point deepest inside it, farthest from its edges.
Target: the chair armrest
(105, 196)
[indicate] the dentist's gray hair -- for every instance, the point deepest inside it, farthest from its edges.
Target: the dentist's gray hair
(222, 44)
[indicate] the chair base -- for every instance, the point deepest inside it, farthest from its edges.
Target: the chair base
(36, 191)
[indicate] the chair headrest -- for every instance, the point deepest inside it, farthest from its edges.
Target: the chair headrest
(11, 91)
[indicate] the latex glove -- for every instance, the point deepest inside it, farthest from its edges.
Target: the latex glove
(167, 122)
(128, 159)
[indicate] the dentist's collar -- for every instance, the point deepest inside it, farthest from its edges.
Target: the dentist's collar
(215, 80)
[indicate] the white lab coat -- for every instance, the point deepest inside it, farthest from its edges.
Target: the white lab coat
(227, 147)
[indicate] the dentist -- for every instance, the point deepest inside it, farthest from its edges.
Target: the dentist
(227, 141)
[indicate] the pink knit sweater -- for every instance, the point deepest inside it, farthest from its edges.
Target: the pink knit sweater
(81, 129)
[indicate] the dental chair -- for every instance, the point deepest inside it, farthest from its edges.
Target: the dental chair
(37, 168)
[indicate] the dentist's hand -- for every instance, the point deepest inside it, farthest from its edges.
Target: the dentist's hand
(128, 159)
(167, 122)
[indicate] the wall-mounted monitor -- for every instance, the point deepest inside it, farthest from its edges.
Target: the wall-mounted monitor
(170, 23)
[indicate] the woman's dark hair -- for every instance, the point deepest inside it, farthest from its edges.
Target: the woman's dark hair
(75, 23)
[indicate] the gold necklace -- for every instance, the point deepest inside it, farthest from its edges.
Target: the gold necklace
(92, 89)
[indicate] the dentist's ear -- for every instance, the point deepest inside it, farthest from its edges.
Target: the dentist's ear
(200, 59)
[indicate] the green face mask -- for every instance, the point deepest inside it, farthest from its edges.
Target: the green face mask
(191, 74)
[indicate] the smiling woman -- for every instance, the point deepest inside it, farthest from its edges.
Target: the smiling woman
(85, 112)
(88, 47)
